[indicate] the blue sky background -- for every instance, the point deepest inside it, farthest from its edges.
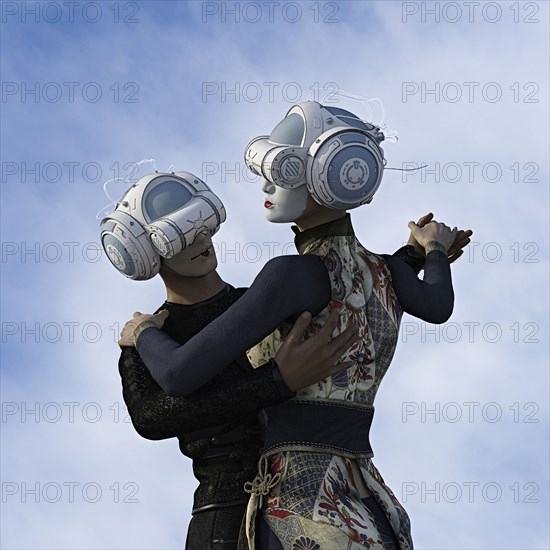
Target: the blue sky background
(474, 473)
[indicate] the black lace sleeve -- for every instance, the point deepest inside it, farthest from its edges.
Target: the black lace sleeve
(156, 415)
(411, 257)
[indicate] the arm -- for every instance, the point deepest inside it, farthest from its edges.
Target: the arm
(286, 286)
(411, 257)
(156, 415)
(432, 299)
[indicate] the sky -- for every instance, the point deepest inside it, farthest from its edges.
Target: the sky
(461, 431)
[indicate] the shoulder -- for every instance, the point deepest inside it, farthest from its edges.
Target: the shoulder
(304, 273)
(374, 260)
(296, 262)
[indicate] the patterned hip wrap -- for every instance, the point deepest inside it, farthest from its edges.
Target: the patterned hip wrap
(334, 427)
(318, 426)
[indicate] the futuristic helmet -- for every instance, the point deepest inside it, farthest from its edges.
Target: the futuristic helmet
(158, 216)
(332, 151)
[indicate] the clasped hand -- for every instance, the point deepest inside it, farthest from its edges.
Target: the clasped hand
(426, 229)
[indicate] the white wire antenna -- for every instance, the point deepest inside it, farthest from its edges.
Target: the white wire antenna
(372, 110)
(133, 169)
(409, 169)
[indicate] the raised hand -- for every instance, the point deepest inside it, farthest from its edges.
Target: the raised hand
(462, 239)
(433, 231)
(420, 223)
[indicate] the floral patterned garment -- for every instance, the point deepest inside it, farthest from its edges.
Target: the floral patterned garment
(312, 501)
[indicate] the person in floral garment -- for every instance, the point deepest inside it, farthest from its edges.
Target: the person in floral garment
(317, 486)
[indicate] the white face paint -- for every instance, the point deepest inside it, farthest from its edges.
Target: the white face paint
(284, 205)
(196, 260)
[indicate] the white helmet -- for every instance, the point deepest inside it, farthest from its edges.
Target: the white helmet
(158, 216)
(332, 151)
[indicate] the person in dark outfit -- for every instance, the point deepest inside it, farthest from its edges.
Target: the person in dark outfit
(218, 426)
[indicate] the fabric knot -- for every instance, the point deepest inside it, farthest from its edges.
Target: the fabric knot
(262, 484)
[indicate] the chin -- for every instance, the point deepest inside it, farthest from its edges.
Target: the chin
(210, 265)
(213, 265)
(196, 271)
(277, 218)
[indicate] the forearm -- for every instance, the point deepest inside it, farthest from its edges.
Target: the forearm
(155, 415)
(411, 257)
(431, 299)
(286, 287)
(437, 287)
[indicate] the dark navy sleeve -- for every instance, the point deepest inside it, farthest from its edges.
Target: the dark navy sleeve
(411, 257)
(431, 299)
(284, 288)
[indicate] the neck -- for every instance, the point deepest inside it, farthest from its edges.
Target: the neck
(191, 290)
(317, 215)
